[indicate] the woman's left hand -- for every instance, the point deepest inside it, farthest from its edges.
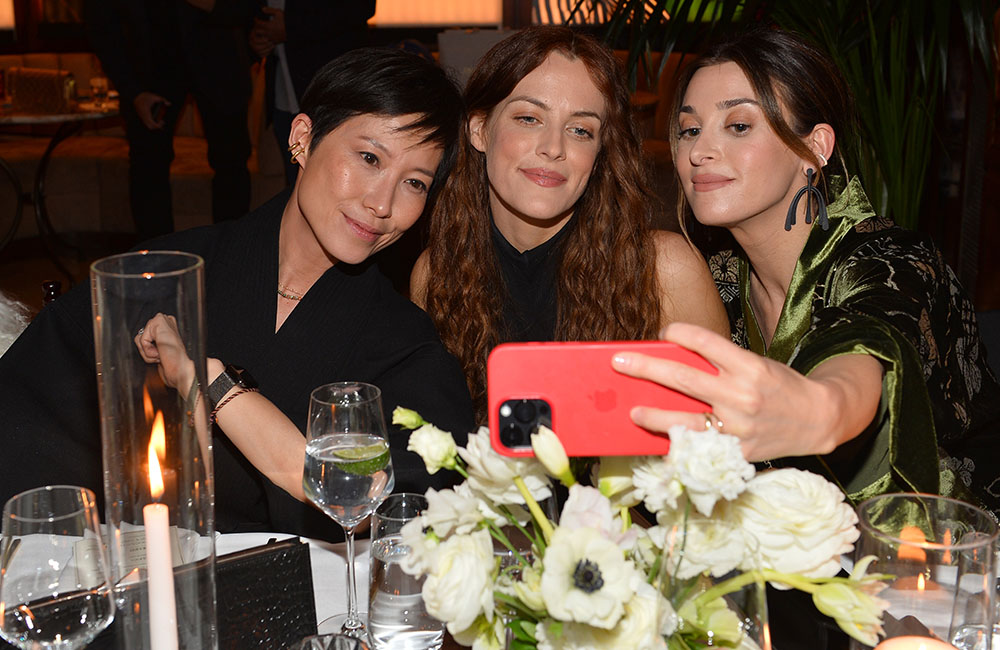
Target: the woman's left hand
(159, 342)
(774, 410)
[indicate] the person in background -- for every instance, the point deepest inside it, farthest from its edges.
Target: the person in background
(543, 230)
(296, 38)
(856, 351)
(156, 52)
(290, 298)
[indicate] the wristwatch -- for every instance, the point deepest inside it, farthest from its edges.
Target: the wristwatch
(231, 377)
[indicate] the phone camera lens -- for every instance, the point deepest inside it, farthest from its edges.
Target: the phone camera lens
(524, 411)
(512, 436)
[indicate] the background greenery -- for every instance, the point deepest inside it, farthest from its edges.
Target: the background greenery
(895, 54)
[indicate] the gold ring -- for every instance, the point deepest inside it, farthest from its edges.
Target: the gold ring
(712, 421)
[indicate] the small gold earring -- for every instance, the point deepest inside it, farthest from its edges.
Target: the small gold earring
(295, 150)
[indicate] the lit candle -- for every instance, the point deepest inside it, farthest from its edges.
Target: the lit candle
(159, 565)
(914, 643)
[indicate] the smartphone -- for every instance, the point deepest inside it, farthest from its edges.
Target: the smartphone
(571, 388)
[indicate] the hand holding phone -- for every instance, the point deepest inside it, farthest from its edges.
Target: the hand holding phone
(571, 388)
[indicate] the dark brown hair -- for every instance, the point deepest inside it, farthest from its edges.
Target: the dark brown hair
(606, 282)
(784, 70)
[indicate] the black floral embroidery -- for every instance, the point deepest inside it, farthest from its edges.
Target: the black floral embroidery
(897, 278)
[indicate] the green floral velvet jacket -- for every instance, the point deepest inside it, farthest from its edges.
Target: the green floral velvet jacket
(867, 286)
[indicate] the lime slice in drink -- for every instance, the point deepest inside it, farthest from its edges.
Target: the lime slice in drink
(365, 460)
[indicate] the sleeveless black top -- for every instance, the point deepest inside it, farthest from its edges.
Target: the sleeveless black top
(529, 311)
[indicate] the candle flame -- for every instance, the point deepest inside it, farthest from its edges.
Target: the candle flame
(157, 448)
(921, 583)
(147, 404)
(910, 549)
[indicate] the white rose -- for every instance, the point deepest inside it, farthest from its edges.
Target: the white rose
(655, 484)
(493, 475)
(461, 587)
(710, 465)
(422, 557)
(448, 509)
(436, 447)
(586, 578)
(697, 545)
(800, 520)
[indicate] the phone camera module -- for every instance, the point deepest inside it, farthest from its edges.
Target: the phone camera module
(519, 418)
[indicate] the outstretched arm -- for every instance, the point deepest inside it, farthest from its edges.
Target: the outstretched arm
(773, 409)
(262, 433)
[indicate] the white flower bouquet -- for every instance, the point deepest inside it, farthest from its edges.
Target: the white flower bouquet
(598, 580)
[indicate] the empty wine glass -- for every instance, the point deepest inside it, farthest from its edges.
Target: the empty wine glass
(348, 468)
(54, 587)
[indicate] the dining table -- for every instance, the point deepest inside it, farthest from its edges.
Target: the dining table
(329, 573)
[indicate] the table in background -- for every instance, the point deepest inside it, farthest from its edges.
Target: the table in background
(68, 124)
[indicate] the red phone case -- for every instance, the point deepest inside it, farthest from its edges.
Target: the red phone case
(589, 401)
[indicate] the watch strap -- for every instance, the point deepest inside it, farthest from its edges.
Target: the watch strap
(231, 377)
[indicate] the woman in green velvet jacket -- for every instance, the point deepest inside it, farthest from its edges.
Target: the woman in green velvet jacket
(856, 351)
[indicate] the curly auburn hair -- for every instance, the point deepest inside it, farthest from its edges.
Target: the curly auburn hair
(606, 280)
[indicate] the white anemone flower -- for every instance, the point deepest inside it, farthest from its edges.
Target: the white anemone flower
(586, 578)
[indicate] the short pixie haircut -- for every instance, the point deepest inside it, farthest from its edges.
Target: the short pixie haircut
(390, 83)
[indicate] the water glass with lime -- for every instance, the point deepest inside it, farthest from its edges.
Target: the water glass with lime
(348, 469)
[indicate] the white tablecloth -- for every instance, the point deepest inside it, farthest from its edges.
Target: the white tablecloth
(329, 568)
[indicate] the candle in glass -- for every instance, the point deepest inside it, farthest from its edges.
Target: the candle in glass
(159, 564)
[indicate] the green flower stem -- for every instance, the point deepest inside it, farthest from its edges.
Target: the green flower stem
(535, 541)
(498, 535)
(808, 585)
(540, 519)
(517, 606)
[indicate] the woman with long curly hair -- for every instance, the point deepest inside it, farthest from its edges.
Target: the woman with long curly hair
(543, 232)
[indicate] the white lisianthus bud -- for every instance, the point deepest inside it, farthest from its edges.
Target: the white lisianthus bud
(407, 418)
(855, 604)
(614, 480)
(551, 454)
(436, 447)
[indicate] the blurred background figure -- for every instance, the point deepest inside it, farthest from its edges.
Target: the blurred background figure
(296, 38)
(156, 52)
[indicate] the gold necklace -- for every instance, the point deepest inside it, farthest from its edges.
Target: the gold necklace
(287, 293)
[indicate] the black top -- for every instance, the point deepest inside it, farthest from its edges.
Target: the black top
(351, 325)
(529, 310)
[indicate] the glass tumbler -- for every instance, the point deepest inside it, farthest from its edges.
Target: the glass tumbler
(397, 618)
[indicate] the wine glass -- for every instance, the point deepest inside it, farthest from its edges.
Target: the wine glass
(54, 586)
(348, 468)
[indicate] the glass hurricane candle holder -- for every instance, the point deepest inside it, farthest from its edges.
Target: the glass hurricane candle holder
(157, 450)
(940, 555)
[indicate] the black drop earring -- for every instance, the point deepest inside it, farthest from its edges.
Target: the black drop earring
(809, 190)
